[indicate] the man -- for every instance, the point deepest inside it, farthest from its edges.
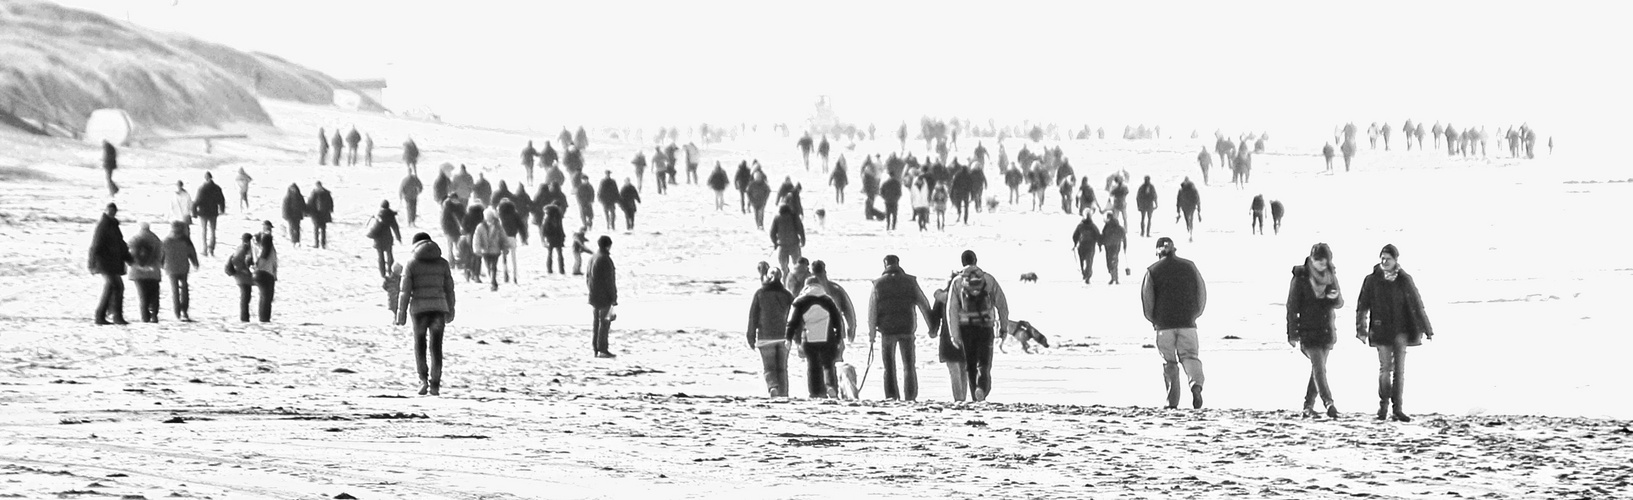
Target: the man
(842, 300)
(787, 236)
(974, 302)
(1206, 161)
(368, 150)
(353, 139)
(1085, 240)
(1146, 201)
(320, 207)
(767, 329)
(409, 191)
(1173, 296)
(1389, 316)
(896, 296)
(1327, 154)
(177, 254)
(207, 206)
(336, 147)
(692, 158)
(110, 162)
(891, 192)
(411, 156)
(607, 194)
(603, 283)
(108, 256)
(323, 147)
(740, 180)
(1188, 204)
(528, 154)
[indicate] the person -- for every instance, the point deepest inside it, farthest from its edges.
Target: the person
(243, 188)
(717, 182)
(975, 307)
(146, 265)
(581, 247)
(409, 192)
(1174, 295)
(241, 266)
(266, 274)
(1086, 200)
(1085, 240)
(815, 325)
(555, 237)
(1327, 153)
(939, 200)
(948, 353)
(839, 179)
(181, 205)
(795, 279)
(842, 300)
(1188, 204)
(891, 192)
(353, 138)
(368, 150)
(207, 206)
(528, 156)
(383, 231)
(294, 211)
(603, 284)
(692, 159)
(393, 284)
(411, 156)
(462, 184)
(1113, 239)
(1312, 296)
(759, 192)
(1066, 189)
(787, 236)
(639, 162)
(586, 201)
(740, 180)
(335, 147)
(177, 253)
(1277, 210)
(1119, 201)
(489, 241)
(110, 162)
(896, 297)
(108, 256)
(427, 296)
(919, 197)
(323, 147)
(628, 200)
(320, 206)
(1206, 161)
(1145, 200)
(482, 190)
(1389, 316)
(515, 226)
(767, 327)
(607, 194)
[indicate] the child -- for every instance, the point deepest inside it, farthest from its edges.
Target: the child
(393, 287)
(581, 246)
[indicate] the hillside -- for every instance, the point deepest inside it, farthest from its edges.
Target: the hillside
(63, 63)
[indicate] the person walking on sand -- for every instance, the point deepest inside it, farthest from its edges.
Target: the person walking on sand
(323, 147)
(1085, 240)
(1114, 240)
(1188, 204)
(266, 274)
(320, 206)
(110, 162)
(489, 241)
(1174, 295)
(892, 306)
(243, 180)
(629, 200)
(1146, 201)
(181, 205)
(555, 238)
(1327, 154)
(427, 296)
(207, 206)
(529, 155)
(787, 237)
(108, 256)
(335, 148)
(241, 266)
(294, 210)
(718, 181)
(759, 192)
(815, 326)
(146, 264)
(948, 353)
(353, 139)
(976, 306)
(409, 192)
(767, 330)
(411, 156)
(383, 230)
(368, 150)
(1389, 316)
(607, 194)
(603, 284)
(1205, 160)
(178, 252)
(1312, 296)
(842, 300)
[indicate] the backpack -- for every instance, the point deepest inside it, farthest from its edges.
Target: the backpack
(977, 306)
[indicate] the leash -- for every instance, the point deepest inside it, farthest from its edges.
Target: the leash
(871, 340)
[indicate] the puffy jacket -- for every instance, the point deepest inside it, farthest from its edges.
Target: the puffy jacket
(802, 306)
(896, 301)
(147, 256)
(489, 237)
(787, 230)
(1310, 315)
(428, 283)
(603, 280)
(109, 252)
(768, 313)
(1387, 308)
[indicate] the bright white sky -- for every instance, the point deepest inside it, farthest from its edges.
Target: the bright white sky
(1235, 65)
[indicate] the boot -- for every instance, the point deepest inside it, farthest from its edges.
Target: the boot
(1383, 409)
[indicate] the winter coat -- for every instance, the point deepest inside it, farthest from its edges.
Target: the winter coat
(1087, 235)
(475, 213)
(768, 313)
(891, 190)
(742, 177)
(109, 253)
(511, 219)
(388, 230)
(1310, 315)
(178, 253)
(241, 265)
(489, 237)
(602, 280)
(320, 206)
(481, 190)
(759, 192)
(787, 230)
(586, 198)
(1112, 235)
(718, 180)
(461, 184)
(451, 212)
(607, 192)
(1257, 205)
(629, 198)
(803, 305)
(870, 183)
(996, 301)
(294, 206)
(1173, 293)
(896, 302)
(554, 234)
(267, 263)
(146, 256)
(1387, 308)
(428, 283)
(209, 203)
(1146, 199)
(441, 186)
(1189, 200)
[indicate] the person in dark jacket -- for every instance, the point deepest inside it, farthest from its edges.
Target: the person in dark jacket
(442, 186)
(1312, 296)
(1174, 295)
(146, 267)
(896, 297)
(585, 192)
(427, 295)
(528, 155)
(383, 231)
(629, 199)
(336, 146)
(1085, 240)
(947, 352)
(787, 237)
(323, 147)
(411, 157)
(639, 162)
(839, 179)
(1389, 316)
(741, 180)
(453, 213)
(603, 284)
(1188, 204)
(1256, 211)
(1205, 160)
(607, 194)
(409, 192)
(1119, 201)
(294, 210)
(353, 138)
(241, 266)
(816, 326)
(1146, 201)
(1327, 153)
(321, 207)
(110, 162)
(891, 192)
(1066, 190)
(207, 206)
(178, 252)
(266, 273)
(718, 181)
(1277, 210)
(108, 256)
(1086, 199)
(759, 192)
(870, 189)
(555, 237)
(548, 157)
(515, 226)
(767, 330)
(1114, 240)
(482, 190)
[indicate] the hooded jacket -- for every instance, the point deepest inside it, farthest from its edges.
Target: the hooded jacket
(768, 313)
(1387, 308)
(451, 211)
(147, 256)
(602, 279)
(489, 237)
(1087, 235)
(742, 177)
(629, 198)
(390, 230)
(1188, 200)
(759, 192)
(109, 252)
(895, 300)
(801, 313)
(428, 283)
(178, 253)
(1173, 293)
(209, 203)
(787, 231)
(294, 205)
(320, 205)
(1310, 315)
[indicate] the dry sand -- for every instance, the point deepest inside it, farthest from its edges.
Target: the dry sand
(319, 402)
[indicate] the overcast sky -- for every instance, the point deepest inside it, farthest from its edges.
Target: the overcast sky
(1235, 65)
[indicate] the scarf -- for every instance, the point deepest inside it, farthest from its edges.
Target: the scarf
(1391, 275)
(1320, 282)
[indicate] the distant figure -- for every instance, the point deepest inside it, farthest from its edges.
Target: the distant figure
(891, 192)
(1327, 153)
(368, 150)
(839, 179)
(411, 156)
(383, 230)
(241, 266)
(490, 243)
(336, 147)
(266, 273)
(586, 202)
(320, 206)
(1188, 204)
(110, 162)
(629, 199)
(294, 210)
(1349, 153)
(323, 147)
(243, 188)
(718, 182)
(603, 291)
(1276, 211)
(759, 192)
(1113, 239)
(1146, 201)
(1256, 210)
(208, 206)
(409, 192)
(1206, 160)
(692, 159)
(178, 252)
(639, 162)
(108, 256)
(607, 194)
(555, 238)
(528, 155)
(1085, 240)
(1174, 295)
(353, 139)
(1389, 316)
(740, 180)
(787, 237)
(427, 296)
(805, 144)
(1086, 199)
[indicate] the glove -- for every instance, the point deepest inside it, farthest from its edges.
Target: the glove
(1429, 335)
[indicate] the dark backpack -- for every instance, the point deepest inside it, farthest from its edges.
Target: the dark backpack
(977, 306)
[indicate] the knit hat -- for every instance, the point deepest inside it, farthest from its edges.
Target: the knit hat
(1391, 250)
(418, 237)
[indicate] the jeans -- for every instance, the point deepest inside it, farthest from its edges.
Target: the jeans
(1318, 376)
(207, 237)
(265, 282)
(977, 339)
(890, 215)
(1085, 261)
(774, 358)
(428, 328)
(147, 292)
(602, 328)
(113, 298)
(1112, 253)
(320, 234)
(413, 205)
(821, 379)
(179, 294)
(1392, 372)
(1179, 347)
(787, 257)
(902, 342)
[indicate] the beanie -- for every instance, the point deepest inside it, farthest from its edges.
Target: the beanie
(1391, 250)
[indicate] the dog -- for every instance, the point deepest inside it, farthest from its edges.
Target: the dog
(822, 218)
(1029, 277)
(1025, 333)
(992, 203)
(848, 387)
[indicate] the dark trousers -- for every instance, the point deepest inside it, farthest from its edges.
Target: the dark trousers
(759, 217)
(977, 340)
(207, 236)
(1258, 223)
(413, 205)
(1392, 373)
(147, 292)
(890, 215)
(1145, 223)
(822, 381)
(1318, 377)
(295, 232)
(1085, 261)
(774, 362)
(903, 343)
(320, 234)
(1112, 258)
(602, 328)
(383, 257)
(179, 294)
(612, 217)
(629, 219)
(113, 299)
(265, 282)
(243, 302)
(963, 206)
(555, 260)
(428, 328)
(922, 215)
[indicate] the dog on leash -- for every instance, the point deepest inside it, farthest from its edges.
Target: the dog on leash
(848, 388)
(822, 218)
(1025, 333)
(1029, 277)
(992, 203)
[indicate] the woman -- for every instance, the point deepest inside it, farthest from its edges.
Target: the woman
(555, 237)
(147, 261)
(816, 326)
(1389, 316)
(294, 211)
(266, 274)
(489, 241)
(243, 189)
(383, 230)
(241, 266)
(949, 354)
(938, 200)
(427, 295)
(919, 196)
(1312, 296)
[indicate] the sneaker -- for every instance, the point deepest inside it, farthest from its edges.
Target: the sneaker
(604, 354)
(1196, 396)
(1308, 413)
(1332, 412)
